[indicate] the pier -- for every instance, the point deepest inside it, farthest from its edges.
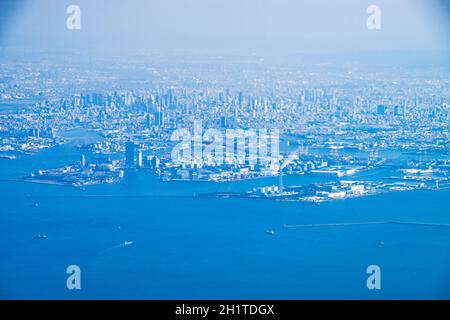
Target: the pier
(343, 224)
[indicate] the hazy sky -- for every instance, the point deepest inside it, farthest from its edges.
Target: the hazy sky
(250, 26)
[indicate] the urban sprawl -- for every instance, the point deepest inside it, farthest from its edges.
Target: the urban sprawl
(337, 124)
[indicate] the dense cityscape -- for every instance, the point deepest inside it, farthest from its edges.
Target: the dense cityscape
(200, 154)
(333, 124)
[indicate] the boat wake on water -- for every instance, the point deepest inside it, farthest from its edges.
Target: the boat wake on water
(120, 245)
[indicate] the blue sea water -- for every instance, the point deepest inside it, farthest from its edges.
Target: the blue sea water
(188, 247)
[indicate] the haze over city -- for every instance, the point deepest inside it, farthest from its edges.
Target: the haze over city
(251, 26)
(188, 149)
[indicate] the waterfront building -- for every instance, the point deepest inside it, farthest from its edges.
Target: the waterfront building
(129, 154)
